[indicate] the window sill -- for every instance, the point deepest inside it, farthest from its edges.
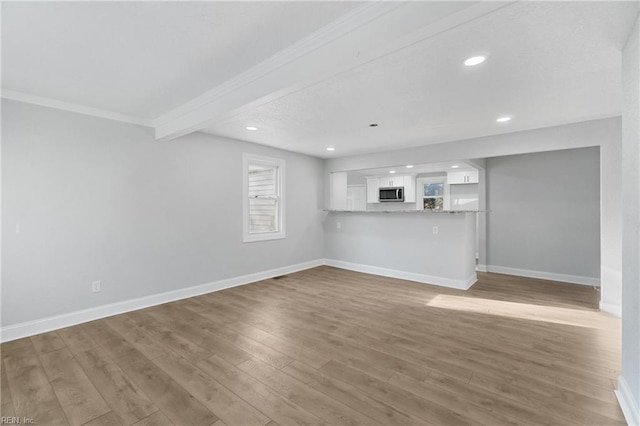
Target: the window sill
(252, 238)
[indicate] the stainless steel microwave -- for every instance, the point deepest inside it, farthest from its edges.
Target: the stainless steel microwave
(390, 194)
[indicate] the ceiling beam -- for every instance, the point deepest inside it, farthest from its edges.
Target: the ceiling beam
(367, 33)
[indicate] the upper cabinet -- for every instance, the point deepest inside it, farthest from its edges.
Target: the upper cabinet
(391, 181)
(450, 185)
(373, 190)
(338, 193)
(409, 189)
(375, 183)
(462, 177)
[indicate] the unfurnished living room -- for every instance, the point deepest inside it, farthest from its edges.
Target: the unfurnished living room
(342, 213)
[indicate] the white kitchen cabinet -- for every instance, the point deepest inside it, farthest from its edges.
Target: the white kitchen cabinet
(373, 190)
(338, 191)
(375, 183)
(391, 181)
(409, 183)
(462, 177)
(356, 198)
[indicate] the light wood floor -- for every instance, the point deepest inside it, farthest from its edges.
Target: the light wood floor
(327, 346)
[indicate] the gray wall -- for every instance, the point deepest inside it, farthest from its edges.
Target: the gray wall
(631, 219)
(405, 243)
(545, 212)
(101, 200)
(605, 133)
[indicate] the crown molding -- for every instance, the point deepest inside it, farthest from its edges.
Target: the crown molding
(365, 34)
(77, 108)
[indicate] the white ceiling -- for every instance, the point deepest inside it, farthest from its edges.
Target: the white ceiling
(145, 58)
(309, 75)
(416, 169)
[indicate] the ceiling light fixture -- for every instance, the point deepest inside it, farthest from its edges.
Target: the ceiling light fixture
(409, 166)
(455, 166)
(474, 60)
(392, 171)
(503, 119)
(251, 128)
(331, 148)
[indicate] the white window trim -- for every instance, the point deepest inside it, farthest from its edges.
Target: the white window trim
(263, 236)
(432, 179)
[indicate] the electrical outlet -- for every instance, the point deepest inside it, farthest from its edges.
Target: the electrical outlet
(96, 286)
(435, 230)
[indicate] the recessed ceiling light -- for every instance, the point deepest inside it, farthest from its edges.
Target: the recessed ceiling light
(474, 60)
(409, 166)
(392, 171)
(331, 148)
(455, 166)
(503, 119)
(251, 128)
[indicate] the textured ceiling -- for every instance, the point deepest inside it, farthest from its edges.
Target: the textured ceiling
(549, 63)
(313, 74)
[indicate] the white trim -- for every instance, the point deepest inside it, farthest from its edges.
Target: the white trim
(77, 108)
(551, 276)
(403, 275)
(56, 322)
(280, 165)
(166, 127)
(312, 60)
(627, 403)
(481, 268)
(615, 310)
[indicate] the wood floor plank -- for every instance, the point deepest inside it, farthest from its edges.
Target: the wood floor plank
(196, 328)
(126, 399)
(330, 346)
(225, 404)
(54, 417)
(257, 394)
(31, 391)
(399, 398)
(350, 395)
(129, 330)
(328, 409)
(175, 402)
(571, 406)
(290, 346)
(6, 407)
(477, 404)
(156, 419)
(76, 339)
(178, 405)
(78, 397)
(47, 342)
(109, 419)
(168, 338)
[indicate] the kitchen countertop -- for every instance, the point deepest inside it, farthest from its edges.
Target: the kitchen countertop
(408, 211)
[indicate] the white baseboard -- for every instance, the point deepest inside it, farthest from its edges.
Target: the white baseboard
(615, 310)
(56, 322)
(573, 279)
(403, 275)
(481, 268)
(627, 403)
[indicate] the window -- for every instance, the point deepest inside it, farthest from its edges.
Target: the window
(263, 194)
(432, 193)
